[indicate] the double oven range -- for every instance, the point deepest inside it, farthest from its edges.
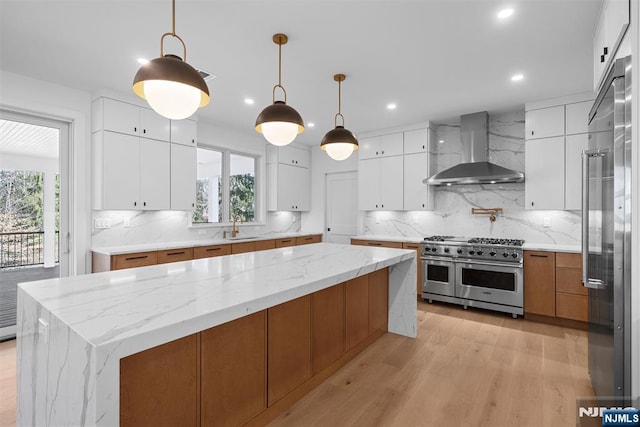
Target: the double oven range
(478, 272)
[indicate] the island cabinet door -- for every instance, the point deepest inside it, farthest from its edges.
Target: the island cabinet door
(328, 326)
(233, 371)
(378, 300)
(160, 386)
(289, 347)
(357, 310)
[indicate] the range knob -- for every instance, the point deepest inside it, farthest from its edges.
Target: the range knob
(459, 250)
(433, 249)
(479, 252)
(514, 255)
(446, 250)
(471, 252)
(505, 254)
(492, 253)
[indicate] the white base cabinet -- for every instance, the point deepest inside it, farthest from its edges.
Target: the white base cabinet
(380, 184)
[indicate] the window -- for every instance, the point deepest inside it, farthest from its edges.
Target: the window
(218, 198)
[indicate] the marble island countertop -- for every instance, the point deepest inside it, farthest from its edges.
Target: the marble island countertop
(73, 332)
(157, 246)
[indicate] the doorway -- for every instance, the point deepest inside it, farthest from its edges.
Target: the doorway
(342, 206)
(34, 206)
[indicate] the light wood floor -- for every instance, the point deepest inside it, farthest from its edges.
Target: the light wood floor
(466, 368)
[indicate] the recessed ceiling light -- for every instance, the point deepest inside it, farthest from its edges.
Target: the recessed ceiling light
(142, 61)
(391, 106)
(517, 77)
(441, 141)
(311, 124)
(505, 13)
(248, 101)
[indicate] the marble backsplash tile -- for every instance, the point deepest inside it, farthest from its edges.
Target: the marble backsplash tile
(452, 213)
(169, 226)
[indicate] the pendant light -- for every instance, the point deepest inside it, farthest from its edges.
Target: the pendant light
(339, 143)
(279, 123)
(173, 88)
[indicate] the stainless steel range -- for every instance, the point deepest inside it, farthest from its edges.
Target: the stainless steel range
(478, 272)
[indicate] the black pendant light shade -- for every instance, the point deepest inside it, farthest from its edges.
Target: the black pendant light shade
(173, 88)
(339, 142)
(279, 123)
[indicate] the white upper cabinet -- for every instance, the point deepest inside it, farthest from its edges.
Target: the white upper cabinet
(544, 122)
(289, 188)
(577, 116)
(380, 184)
(289, 155)
(154, 175)
(183, 177)
(574, 146)
(381, 146)
(417, 141)
(417, 195)
(544, 183)
(115, 171)
(184, 132)
(610, 30)
(117, 116)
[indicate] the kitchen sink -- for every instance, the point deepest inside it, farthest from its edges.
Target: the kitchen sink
(241, 238)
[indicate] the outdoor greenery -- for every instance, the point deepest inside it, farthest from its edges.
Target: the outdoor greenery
(241, 195)
(21, 206)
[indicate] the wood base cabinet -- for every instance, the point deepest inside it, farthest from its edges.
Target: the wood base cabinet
(540, 283)
(249, 370)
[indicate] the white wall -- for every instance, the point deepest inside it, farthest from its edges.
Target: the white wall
(321, 164)
(26, 95)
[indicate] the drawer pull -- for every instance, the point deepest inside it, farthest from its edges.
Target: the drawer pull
(212, 249)
(374, 244)
(308, 238)
(539, 256)
(175, 253)
(285, 241)
(136, 257)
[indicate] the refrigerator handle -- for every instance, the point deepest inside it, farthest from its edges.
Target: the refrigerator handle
(586, 281)
(585, 218)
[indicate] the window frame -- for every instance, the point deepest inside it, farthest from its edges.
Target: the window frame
(260, 181)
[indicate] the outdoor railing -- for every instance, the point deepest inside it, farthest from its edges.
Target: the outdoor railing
(23, 248)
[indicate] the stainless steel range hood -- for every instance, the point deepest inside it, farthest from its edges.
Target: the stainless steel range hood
(475, 169)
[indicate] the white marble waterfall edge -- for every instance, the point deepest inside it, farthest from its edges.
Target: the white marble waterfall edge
(70, 374)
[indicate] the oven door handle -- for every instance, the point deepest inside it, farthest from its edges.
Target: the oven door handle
(513, 265)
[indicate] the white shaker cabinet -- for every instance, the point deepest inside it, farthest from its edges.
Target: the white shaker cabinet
(418, 141)
(381, 146)
(184, 132)
(288, 155)
(545, 169)
(417, 195)
(380, 184)
(574, 146)
(289, 188)
(544, 122)
(154, 175)
(122, 117)
(115, 171)
(183, 177)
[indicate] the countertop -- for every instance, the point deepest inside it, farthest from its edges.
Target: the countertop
(74, 331)
(551, 247)
(159, 246)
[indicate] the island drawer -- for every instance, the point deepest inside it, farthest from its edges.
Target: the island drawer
(139, 259)
(175, 255)
(306, 240)
(211, 251)
(381, 243)
(263, 245)
(283, 243)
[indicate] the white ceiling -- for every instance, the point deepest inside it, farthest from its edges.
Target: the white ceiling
(28, 140)
(436, 59)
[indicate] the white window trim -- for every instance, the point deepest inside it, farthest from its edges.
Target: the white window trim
(261, 207)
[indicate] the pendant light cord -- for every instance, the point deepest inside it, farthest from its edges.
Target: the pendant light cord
(335, 120)
(279, 41)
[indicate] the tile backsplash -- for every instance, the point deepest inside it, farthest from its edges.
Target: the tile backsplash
(452, 214)
(170, 226)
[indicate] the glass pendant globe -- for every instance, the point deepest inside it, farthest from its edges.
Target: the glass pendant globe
(339, 150)
(173, 100)
(280, 133)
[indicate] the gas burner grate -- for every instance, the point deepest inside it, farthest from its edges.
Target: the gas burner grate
(494, 241)
(437, 238)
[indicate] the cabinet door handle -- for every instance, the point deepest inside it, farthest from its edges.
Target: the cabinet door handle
(175, 253)
(144, 203)
(193, 205)
(382, 206)
(193, 141)
(135, 129)
(423, 205)
(135, 203)
(382, 151)
(376, 153)
(136, 257)
(423, 147)
(601, 58)
(539, 256)
(531, 203)
(144, 131)
(532, 132)
(605, 50)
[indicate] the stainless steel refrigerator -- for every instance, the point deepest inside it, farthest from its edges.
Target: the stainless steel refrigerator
(606, 234)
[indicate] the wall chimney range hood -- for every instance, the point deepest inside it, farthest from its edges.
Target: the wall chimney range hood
(475, 169)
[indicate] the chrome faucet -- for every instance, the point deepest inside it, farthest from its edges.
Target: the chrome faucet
(234, 230)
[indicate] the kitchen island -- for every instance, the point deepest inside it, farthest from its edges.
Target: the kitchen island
(77, 334)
